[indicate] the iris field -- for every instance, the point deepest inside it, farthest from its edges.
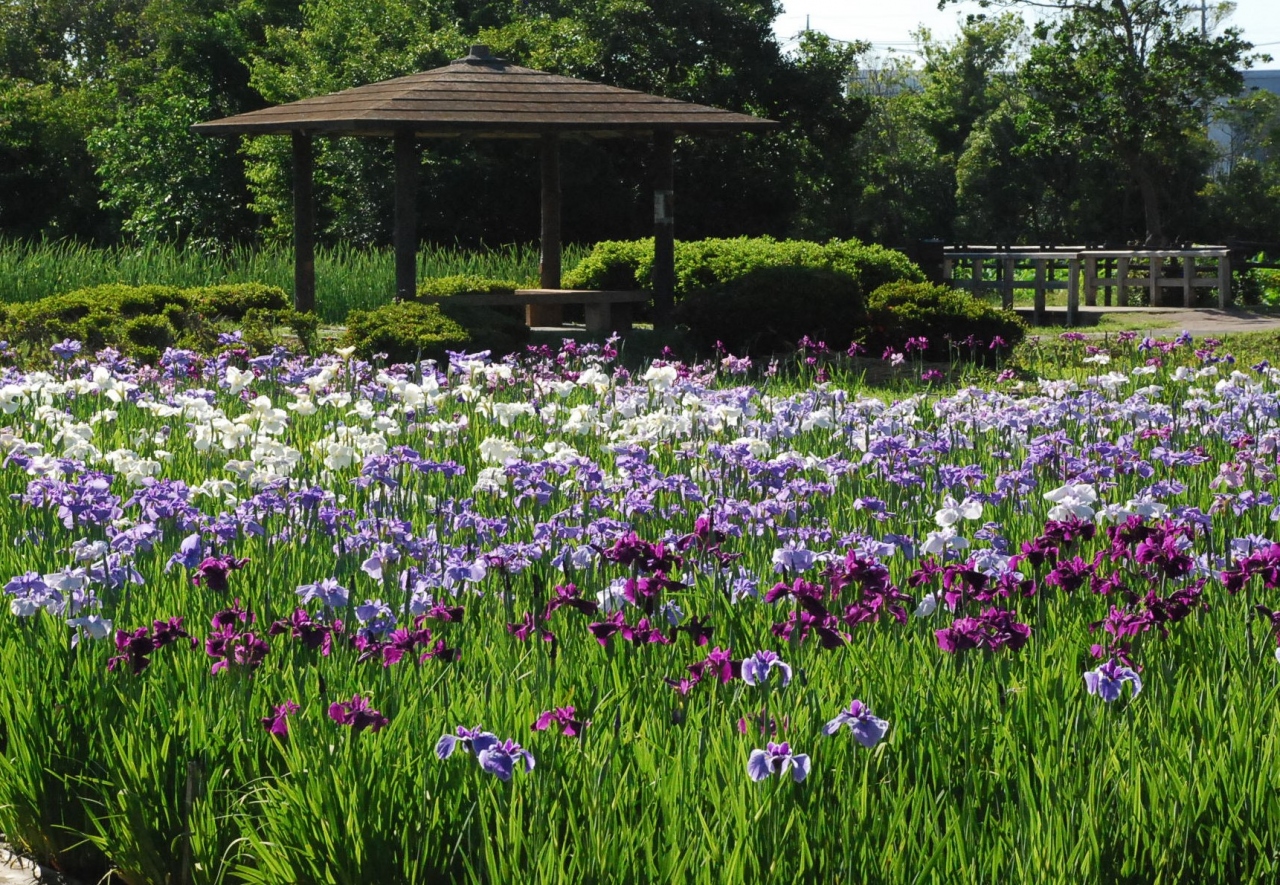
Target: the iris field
(291, 619)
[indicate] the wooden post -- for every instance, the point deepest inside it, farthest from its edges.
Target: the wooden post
(304, 227)
(1090, 281)
(549, 258)
(1224, 281)
(664, 227)
(1108, 271)
(1188, 279)
(976, 287)
(1073, 290)
(405, 234)
(1122, 282)
(1039, 292)
(947, 267)
(1006, 290)
(1156, 271)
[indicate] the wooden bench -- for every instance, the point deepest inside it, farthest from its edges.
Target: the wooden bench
(607, 310)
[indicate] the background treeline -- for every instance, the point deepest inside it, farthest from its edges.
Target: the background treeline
(1061, 133)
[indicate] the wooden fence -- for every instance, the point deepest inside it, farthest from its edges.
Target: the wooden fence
(1072, 268)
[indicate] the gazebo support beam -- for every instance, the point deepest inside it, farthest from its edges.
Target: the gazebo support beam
(549, 259)
(304, 226)
(664, 228)
(406, 223)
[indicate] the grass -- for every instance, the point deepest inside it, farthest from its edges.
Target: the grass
(346, 278)
(997, 765)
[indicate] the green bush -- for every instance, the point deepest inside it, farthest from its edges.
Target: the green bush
(141, 321)
(902, 310)
(702, 265)
(499, 328)
(97, 317)
(234, 300)
(614, 264)
(464, 284)
(408, 331)
(772, 308)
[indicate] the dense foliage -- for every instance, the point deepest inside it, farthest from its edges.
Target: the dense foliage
(281, 619)
(999, 136)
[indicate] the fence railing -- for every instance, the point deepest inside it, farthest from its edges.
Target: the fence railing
(1073, 268)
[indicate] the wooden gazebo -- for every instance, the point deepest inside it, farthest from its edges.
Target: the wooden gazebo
(481, 96)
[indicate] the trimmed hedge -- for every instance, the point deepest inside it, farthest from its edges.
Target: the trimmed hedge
(141, 321)
(902, 310)
(771, 308)
(702, 265)
(409, 331)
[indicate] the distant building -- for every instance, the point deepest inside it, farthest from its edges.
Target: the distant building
(1268, 80)
(1224, 136)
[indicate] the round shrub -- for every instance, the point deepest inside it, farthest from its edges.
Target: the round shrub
(902, 310)
(772, 308)
(407, 331)
(234, 300)
(622, 265)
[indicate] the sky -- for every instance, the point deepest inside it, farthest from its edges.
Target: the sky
(888, 23)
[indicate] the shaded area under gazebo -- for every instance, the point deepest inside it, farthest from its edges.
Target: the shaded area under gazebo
(481, 96)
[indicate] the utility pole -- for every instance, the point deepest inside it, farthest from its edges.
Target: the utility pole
(1204, 21)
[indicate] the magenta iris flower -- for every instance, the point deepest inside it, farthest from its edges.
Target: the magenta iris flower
(1109, 679)
(213, 571)
(277, 723)
(563, 717)
(756, 669)
(867, 730)
(358, 714)
(777, 759)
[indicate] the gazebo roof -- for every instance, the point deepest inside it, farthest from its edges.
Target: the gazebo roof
(487, 97)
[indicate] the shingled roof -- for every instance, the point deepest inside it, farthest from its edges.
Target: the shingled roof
(483, 96)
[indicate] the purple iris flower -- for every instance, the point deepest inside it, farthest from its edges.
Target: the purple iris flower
(501, 759)
(1108, 679)
(277, 723)
(756, 669)
(472, 740)
(777, 759)
(867, 730)
(358, 714)
(66, 349)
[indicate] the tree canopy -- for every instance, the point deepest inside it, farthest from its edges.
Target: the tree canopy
(1088, 126)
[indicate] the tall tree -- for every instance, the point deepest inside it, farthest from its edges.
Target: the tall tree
(1127, 81)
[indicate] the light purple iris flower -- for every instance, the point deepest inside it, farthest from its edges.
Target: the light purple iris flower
(777, 759)
(1108, 679)
(327, 590)
(495, 756)
(867, 730)
(472, 740)
(756, 669)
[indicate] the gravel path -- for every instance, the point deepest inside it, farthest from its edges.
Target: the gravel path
(1163, 320)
